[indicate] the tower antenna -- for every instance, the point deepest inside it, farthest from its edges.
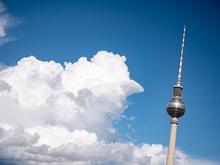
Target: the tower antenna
(181, 58)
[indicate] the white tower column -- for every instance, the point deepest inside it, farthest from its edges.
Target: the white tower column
(172, 143)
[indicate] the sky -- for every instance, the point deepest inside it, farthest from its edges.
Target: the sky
(134, 46)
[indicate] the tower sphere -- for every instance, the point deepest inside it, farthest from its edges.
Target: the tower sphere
(176, 107)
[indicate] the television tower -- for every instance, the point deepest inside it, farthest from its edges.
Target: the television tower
(176, 108)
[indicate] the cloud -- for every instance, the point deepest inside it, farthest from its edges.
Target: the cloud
(78, 147)
(82, 95)
(63, 115)
(6, 22)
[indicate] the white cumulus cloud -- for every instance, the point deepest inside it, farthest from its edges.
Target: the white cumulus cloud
(63, 115)
(6, 21)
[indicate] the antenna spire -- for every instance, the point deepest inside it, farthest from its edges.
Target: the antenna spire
(181, 57)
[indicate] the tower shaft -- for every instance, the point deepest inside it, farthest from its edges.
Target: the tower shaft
(172, 143)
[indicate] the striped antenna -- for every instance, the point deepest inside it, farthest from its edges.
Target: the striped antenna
(181, 58)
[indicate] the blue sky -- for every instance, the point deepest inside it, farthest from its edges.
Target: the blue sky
(149, 34)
